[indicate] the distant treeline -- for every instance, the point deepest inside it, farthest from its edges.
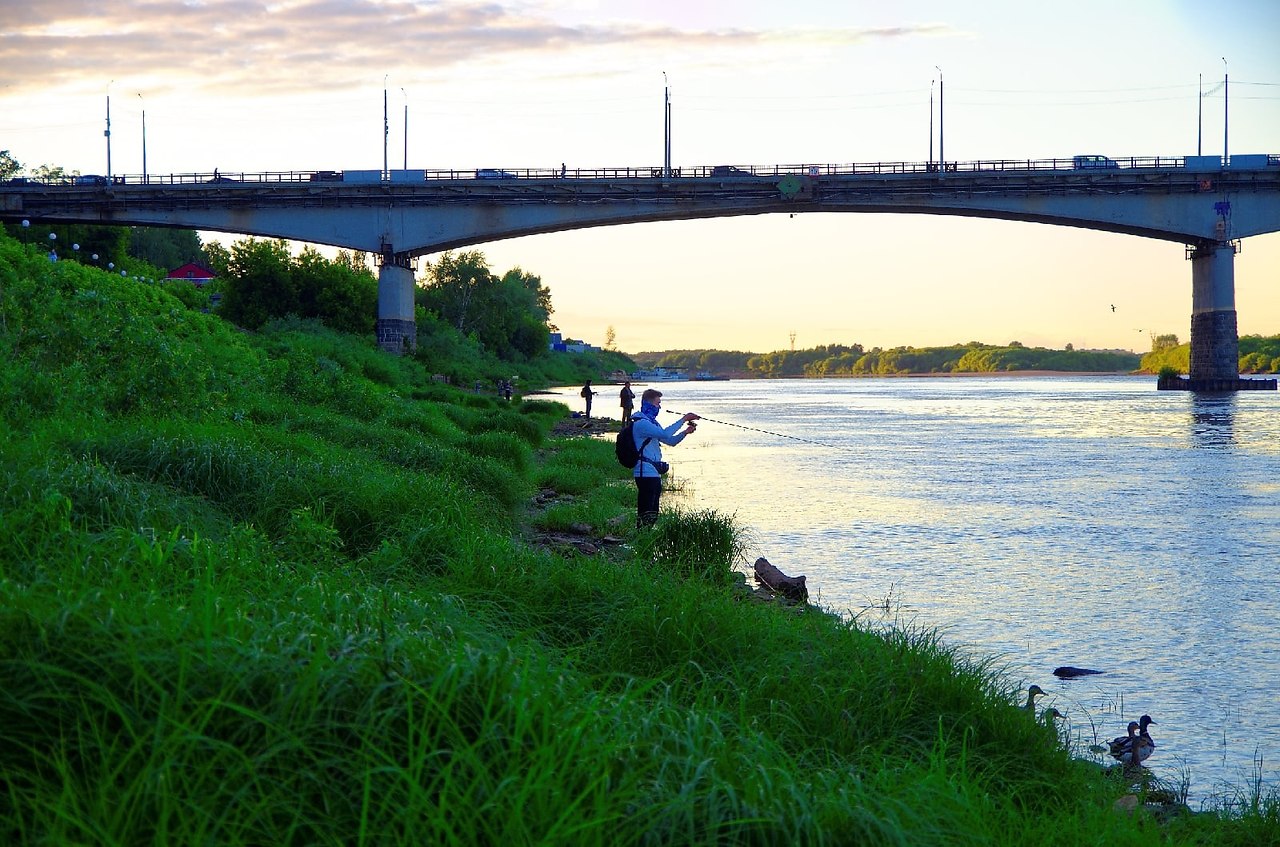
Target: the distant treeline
(854, 360)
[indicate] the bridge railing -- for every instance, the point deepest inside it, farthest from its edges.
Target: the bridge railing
(230, 179)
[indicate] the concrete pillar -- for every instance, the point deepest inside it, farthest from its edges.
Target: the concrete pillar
(396, 329)
(1215, 346)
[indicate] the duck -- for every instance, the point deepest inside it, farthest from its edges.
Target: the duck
(1137, 746)
(1123, 742)
(1050, 715)
(1032, 693)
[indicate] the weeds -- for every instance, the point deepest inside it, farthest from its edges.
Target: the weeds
(290, 605)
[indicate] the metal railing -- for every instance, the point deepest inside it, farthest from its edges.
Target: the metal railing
(321, 178)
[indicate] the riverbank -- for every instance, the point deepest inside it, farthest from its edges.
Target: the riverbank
(279, 588)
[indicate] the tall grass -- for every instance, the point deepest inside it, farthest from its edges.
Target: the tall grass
(301, 606)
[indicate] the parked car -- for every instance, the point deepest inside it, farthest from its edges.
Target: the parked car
(494, 173)
(1093, 162)
(90, 179)
(326, 176)
(729, 170)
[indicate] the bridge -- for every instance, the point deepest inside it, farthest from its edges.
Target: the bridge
(1204, 202)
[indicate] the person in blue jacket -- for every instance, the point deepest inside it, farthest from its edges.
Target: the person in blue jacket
(650, 436)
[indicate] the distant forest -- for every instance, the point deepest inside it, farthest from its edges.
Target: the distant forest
(854, 360)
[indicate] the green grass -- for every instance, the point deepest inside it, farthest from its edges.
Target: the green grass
(288, 596)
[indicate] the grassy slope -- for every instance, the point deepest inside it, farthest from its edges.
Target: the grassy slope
(277, 589)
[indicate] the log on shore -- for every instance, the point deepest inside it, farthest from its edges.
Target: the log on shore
(791, 587)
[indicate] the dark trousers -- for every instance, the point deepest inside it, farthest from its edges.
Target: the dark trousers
(648, 492)
(626, 413)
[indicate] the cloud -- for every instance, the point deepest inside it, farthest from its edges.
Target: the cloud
(272, 48)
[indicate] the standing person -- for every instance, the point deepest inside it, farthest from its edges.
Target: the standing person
(587, 393)
(650, 436)
(628, 398)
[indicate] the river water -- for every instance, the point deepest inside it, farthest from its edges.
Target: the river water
(1039, 521)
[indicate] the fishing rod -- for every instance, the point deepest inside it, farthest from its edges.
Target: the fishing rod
(765, 431)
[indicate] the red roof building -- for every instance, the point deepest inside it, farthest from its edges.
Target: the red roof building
(196, 274)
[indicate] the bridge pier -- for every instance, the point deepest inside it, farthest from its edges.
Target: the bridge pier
(396, 329)
(1215, 343)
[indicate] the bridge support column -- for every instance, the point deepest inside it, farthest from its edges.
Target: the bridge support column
(397, 331)
(1215, 350)
(1215, 344)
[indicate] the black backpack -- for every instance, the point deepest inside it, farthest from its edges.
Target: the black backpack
(625, 446)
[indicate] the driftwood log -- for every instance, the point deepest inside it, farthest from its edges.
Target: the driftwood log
(791, 587)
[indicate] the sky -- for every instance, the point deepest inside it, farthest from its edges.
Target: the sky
(299, 85)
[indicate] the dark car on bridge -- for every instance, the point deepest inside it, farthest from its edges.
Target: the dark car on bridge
(326, 176)
(730, 170)
(494, 173)
(1093, 163)
(90, 179)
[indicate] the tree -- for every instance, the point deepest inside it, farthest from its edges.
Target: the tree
(342, 297)
(259, 285)
(455, 284)
(507, 315)
(166, 248)
(610, 338)
(9, 166)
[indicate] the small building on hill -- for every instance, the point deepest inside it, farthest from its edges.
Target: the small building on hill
(196, 274)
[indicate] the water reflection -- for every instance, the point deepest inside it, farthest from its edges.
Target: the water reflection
(1213, 421)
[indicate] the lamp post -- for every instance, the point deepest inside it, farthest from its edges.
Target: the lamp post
(386, 125)
(666, 127)
(107, 131)
(406, 128)
(144, 138)
(1225, 87)
(942, 150)
(931, 83)
(1200, 117)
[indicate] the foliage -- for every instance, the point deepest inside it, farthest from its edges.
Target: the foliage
(1258, 355)
(261, 281)
(166, 248)
(9, 166)
(282, 595)
(507, 315)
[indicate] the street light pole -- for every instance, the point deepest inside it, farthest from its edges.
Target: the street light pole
(144, 138)
(942, 150)
(1200, 118)
(1225, 80)
(386, 125)
(931, 83)
(666, 127)
(107, 131)
(406, 128)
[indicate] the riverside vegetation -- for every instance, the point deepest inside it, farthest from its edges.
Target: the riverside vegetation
(1258, 354)
(277, 587)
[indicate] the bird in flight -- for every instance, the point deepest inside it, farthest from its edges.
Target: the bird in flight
(1113, 307)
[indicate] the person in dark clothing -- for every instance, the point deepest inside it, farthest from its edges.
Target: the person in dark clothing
(587, 393)
(649, 436)
(628, 398)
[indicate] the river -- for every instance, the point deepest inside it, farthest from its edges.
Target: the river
(1039, 520)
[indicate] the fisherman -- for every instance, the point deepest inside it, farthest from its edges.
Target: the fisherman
(628, 398)
(587, 393)
(649, 436)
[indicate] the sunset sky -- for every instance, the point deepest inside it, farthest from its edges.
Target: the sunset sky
(298, 85)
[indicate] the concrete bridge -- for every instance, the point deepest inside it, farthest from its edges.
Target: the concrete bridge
(1203, 202)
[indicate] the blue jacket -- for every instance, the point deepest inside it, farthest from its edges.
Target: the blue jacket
(646, 428)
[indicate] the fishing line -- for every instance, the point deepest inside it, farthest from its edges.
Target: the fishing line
(765, 431)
